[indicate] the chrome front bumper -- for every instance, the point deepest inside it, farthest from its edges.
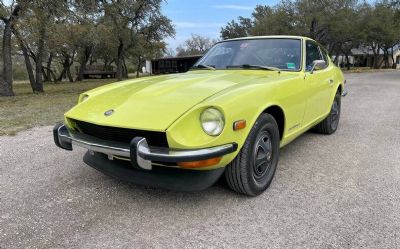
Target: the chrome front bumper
(138, 151)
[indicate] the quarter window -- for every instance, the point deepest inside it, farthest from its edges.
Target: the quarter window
(324, 55)
(312, 54)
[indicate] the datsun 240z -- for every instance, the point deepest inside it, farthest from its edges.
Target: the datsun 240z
(229, 115)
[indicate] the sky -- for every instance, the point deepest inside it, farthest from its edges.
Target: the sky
(205, 17)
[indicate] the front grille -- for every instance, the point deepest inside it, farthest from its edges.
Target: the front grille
(123, 135)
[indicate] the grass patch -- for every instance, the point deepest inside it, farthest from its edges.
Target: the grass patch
(27, 110)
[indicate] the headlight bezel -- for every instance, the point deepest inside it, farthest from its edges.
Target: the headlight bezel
(214, 119)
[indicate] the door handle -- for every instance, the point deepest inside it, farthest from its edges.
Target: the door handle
(331, 81)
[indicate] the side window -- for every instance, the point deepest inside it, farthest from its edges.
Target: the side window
(312, 54)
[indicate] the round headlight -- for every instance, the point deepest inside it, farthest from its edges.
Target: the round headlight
(212, 121)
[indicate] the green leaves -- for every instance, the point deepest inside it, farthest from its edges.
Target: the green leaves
(196, 45)
(340, 25)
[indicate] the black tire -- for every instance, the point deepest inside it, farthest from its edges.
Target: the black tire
(330, 124)
(262, 145)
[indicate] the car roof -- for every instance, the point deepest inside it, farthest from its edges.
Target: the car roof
(269, 37)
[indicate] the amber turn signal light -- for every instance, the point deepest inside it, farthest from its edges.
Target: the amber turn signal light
(238, 125)
(200, 164)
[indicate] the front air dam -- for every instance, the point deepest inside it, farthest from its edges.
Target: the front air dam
(159, 177)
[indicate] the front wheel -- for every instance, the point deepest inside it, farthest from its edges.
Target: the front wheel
(330, 124)
(253, 169)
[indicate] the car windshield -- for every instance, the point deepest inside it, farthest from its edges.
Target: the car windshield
(268, 54)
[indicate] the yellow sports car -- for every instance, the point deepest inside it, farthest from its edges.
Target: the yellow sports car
(230, 114)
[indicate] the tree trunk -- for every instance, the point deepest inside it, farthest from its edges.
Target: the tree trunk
(313, 28)
(69, 75)
(347, 61)
(66, 71)
(378, 66)
(28, 65)
(387, 59)
(376, 49)
(62, 75)
(336, 60)
(394, 66)
(139, 65)
(84, 60)
(27, 59)
(92, 60)
(119, 60)
(125, 71)
(45, 78)
(52, 74)
(384, 62)
(48, 71)
(6, 88)
(65, 64)
(39, 60)
(6, 78)
(375, 64)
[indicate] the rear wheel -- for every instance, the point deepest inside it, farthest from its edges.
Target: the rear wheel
(252, 171)
(330, 124)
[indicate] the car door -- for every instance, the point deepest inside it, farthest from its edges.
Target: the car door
(318, 84)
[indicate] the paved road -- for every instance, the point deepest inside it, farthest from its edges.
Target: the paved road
(340, 191)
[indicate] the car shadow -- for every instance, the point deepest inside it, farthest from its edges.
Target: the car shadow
(220, 188)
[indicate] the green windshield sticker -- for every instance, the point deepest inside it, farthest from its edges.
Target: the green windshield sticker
(291, 65)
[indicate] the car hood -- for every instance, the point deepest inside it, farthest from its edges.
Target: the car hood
(154, 103)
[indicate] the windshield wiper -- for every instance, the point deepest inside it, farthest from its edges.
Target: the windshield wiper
(248, 66)
(204, 66)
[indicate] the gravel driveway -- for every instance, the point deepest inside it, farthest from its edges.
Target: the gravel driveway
(339, 191)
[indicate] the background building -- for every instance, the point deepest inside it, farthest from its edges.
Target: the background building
(171, 64)
(364, 57)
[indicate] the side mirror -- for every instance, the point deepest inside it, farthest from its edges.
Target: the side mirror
(318, 65)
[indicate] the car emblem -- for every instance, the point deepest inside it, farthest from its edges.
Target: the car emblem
(109, 113)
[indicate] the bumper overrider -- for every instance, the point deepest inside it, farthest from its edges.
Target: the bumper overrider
(142, 157)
